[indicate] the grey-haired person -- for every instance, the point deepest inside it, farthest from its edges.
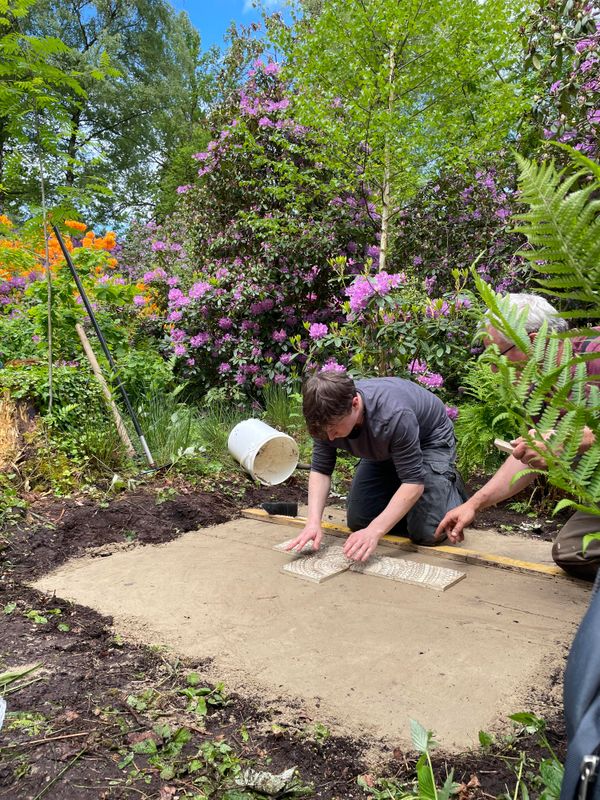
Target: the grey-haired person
(568, 550)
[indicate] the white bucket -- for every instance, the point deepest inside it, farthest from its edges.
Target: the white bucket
(268, 455)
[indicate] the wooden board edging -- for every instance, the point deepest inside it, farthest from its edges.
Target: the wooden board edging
(452, 552)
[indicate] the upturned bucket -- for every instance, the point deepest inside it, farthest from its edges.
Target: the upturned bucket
(267, 454)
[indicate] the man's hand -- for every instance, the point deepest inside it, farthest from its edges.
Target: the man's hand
(524, 452)
(310, 531)
(361, 545)
(455, 521)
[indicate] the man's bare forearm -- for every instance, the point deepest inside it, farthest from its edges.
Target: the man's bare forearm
(499, 486)
(318, 492)
(401, 503)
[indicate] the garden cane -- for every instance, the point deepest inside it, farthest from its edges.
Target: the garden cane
(102, 341)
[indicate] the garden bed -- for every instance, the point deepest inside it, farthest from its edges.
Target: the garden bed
(101, 696)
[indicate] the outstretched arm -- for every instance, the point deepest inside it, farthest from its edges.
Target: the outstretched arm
(497, 489)
(360, 545)
(318, 492)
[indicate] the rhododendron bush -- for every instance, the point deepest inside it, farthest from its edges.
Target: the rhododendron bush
(259, 228)
(389, 324)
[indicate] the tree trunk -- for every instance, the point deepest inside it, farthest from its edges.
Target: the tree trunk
(72, 147)
(2, 151)
(386, 193)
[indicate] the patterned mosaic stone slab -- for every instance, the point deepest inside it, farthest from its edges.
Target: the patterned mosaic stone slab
(320, 566)
(400, 569)
(326, 541)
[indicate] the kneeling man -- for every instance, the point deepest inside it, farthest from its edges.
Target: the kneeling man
(406, 479)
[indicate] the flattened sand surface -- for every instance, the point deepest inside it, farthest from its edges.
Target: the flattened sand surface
(361, 654)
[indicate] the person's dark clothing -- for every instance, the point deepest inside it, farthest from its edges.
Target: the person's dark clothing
(405, 437)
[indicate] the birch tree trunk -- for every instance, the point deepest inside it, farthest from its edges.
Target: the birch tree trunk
(386, 193)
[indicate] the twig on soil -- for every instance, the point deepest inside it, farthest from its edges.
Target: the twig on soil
(60, 774)
(45, 741)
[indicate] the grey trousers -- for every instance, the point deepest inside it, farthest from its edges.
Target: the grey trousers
(567, 550)
(375, 483)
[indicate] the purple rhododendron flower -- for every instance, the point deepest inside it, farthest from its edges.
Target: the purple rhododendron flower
(184, 188)
(199, 289)
(432, 380)
(224, 368)
(225, 323)
(180, 349)
(175, 316)
(435, 310)
(175, 296)
(317, 330)
(177, 335)
(331, 365)
(279, 336)
(417, 367)
(140, 300)
(285, 358)
(158, 245)
(199, 340)
(452, 412)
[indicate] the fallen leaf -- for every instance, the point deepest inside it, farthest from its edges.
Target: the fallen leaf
(368, 779)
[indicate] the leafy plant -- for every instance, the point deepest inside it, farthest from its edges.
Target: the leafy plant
(480, 420)
(544, 776)
(551, 391)
(200, 698)
(424, 787)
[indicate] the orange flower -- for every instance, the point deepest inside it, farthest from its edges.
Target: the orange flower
(77, 226)
(4, 220)
(112, 263)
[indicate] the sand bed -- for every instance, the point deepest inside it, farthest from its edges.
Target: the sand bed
(358, 653)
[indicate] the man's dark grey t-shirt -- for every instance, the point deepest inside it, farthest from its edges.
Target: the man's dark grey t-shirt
(402, 421)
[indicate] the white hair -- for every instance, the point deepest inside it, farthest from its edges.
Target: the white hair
(539, 311)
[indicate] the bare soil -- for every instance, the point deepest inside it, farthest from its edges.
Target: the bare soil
(76, 731)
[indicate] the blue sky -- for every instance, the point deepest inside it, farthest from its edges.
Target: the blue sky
(212, 17)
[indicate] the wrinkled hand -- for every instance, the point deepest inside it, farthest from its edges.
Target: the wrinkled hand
(455, 521)
(525, 452)
(360, 545)
(310, 531)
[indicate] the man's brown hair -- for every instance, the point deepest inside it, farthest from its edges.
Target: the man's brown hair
(326, 396)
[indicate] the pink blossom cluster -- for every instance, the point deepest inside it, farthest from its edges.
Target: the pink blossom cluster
(362, 289)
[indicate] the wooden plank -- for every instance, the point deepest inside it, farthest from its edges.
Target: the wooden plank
(453, 552)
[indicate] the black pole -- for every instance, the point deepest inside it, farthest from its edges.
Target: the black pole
(103, 344)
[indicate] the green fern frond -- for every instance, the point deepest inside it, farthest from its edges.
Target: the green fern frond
(589, 166)
(563, 227)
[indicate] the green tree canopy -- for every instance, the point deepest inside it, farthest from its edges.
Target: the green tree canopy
(402, 88)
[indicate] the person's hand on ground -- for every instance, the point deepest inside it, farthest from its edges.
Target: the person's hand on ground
(523, 451)
(310, 531)
(361, 545)
(454, 523)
